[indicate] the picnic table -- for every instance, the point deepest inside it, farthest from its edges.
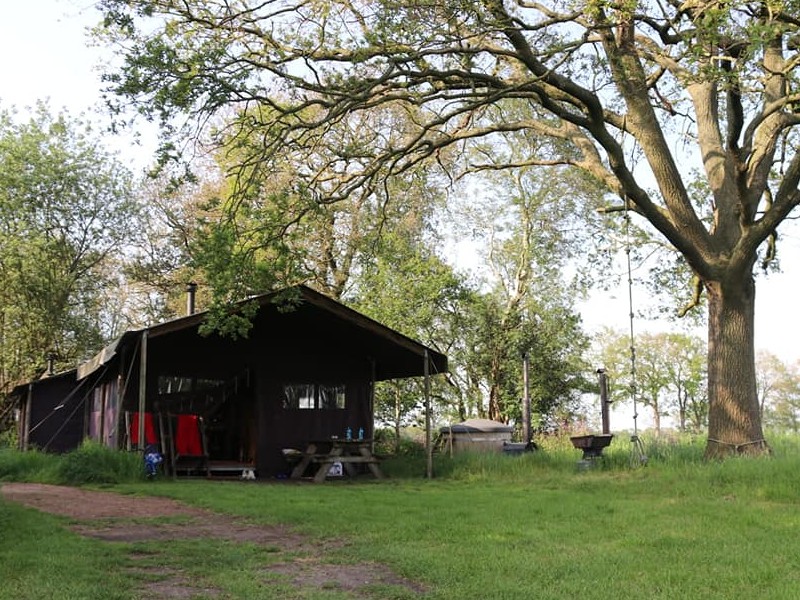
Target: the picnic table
(326, 453)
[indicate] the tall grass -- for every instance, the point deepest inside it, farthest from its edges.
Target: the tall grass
(673, 460)
(90, 463)
(32, 466)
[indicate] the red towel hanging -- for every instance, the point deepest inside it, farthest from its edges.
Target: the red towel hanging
(149, 429)
(187, 437)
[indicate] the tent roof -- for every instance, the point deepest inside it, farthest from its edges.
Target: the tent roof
(43, 379)
(477, 425)
(396, 355)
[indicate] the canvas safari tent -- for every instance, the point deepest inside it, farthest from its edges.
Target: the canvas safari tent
(306, 371)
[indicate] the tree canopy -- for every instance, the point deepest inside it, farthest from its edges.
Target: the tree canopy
(634, 94)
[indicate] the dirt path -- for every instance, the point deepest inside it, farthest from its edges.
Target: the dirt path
(110, 517)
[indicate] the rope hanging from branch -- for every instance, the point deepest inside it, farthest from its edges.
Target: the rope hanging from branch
(637, 449)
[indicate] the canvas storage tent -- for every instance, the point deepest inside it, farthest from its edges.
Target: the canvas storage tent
(476, 435)
(306, 371)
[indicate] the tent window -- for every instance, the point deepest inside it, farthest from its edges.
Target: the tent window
(174, 384)
(314, 396)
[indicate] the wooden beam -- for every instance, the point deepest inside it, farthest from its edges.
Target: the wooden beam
(428, 436)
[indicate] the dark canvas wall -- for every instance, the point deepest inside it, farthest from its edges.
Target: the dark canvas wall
(57, 430)
(281, 427)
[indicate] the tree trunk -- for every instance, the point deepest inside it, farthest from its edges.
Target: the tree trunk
(734, 426)
(656, 418)
(495, 403)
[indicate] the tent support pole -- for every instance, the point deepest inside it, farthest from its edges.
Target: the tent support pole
(428, 437)
(142, 390)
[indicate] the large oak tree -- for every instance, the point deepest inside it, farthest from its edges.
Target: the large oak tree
(611, 82)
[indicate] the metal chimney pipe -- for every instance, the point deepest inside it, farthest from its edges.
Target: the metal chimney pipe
(51, 364)
(603, 380)
(191, 291)
(526, 401)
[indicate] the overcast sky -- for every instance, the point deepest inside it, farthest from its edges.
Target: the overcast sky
(45, 56)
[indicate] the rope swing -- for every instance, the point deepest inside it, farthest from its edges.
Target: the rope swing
(638, 457)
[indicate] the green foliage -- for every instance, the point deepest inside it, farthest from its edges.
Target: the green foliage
(9, 438)
(386, 445)
(66, 207)
(497, 338)
(526, 236)
(778, 387)
(92, 462)
(406, 286)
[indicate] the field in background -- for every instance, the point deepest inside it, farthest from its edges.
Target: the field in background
(490, 526)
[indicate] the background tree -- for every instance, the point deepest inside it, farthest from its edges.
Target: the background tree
(651, 380)
(404, 285)
(525, 239)
(686, 373)
(66, 208)
(159, 261)
(610, 82)
(779, 392)
(670, 370)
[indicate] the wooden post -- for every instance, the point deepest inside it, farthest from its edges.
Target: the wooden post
(103, 390)
(371, 423)
(142, 389)
(120, 399)
(428, 437)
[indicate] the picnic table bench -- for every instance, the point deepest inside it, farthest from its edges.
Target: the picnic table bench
(326, 453)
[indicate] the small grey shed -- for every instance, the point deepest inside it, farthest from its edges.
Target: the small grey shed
(476, 435)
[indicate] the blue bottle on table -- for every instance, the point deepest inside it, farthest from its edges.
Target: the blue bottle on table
(349, 434)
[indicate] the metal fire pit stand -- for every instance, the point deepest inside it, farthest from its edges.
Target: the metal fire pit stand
(593, 445)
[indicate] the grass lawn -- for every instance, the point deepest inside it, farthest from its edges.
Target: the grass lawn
(488, 527)
(39, 559)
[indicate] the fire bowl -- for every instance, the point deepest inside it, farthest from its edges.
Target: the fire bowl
(592, 444)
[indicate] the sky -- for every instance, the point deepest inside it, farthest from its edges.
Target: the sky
(46, 56)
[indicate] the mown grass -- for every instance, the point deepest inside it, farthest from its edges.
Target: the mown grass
(40, 559)
(532, 526)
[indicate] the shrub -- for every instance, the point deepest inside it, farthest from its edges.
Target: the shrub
(8, 438)
(386, 444)
(94, 463)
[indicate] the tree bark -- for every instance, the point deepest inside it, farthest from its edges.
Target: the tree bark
(683, 402)
(734, 426)
(656, 418)
(495, 402)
